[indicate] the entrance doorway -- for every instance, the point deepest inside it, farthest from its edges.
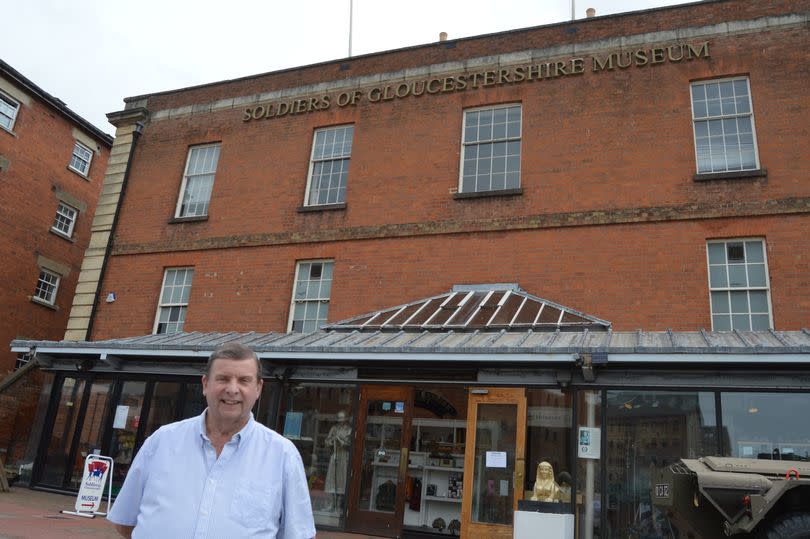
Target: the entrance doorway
(380, 461)
(494, 462)
(408, 460)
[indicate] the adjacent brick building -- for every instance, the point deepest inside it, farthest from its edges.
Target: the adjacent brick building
(52, 165)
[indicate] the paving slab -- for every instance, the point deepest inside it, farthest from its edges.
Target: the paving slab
(34, 514)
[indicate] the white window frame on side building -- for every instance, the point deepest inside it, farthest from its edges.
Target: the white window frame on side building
(198, 181)
(489, 138)
(329, 165)
(739, 287)
(723, 126)
(47, 287)
(80, 159)
(173, 301)
(65, 220)
(9, 107)
(312, 291)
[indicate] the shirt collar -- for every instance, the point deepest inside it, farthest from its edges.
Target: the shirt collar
(243, 434)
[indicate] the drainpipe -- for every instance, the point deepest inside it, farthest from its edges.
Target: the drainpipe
(136, 134)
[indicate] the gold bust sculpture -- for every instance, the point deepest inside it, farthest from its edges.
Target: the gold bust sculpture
(545, 488)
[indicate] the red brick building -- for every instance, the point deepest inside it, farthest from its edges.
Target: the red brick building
(52, 165)
(549, 190)
(610, 214)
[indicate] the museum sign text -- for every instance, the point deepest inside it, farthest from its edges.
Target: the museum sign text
(482, 79)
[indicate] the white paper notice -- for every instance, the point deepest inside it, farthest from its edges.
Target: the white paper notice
(496, 459)
(504, 487)
(589, 442)
(121, 414)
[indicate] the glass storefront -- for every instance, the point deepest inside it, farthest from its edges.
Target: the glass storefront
(766, 425)
(56, 460)
(91, 440)
(648, 430)
(97, 415)
(634, 432)
(318, 420)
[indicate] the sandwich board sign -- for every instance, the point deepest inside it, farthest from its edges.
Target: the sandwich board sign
(96, 474)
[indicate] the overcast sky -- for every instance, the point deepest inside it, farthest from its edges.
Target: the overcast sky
(93, 53)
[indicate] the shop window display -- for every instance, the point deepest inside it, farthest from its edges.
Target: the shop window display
(435, 481)
(548, 435)
(317, 418)
(649, 430)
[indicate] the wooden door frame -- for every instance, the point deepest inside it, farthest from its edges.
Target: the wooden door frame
(499, 395)
(359, 521)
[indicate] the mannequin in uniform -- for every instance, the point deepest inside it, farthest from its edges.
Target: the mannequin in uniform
(545, 488)
(338, 439)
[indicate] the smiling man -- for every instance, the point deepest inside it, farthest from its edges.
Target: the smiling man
(220, 474)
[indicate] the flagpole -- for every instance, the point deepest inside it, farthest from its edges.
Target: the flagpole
(573, 13)
(351, 16)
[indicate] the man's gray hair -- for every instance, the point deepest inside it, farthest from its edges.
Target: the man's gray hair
(233, 350)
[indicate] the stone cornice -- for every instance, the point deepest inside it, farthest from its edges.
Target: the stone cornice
(652, 214)
(494, 61)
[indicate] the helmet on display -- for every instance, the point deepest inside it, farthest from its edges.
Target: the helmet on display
(439, 524)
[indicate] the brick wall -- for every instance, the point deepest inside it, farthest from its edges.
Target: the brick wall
(39, 151)
(648, 276)
(18, 409)
(610, 220)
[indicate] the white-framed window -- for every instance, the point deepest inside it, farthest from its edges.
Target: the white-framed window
(65, 219)
(198, 180)
(723, 121)
(174, 293)
(738, 285)
(8, 111)
(310, 301)
(490, 149)
(81, 158)
(47, 286)
(329, 165)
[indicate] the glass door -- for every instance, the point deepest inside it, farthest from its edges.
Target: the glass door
(380, 461)
(56, 460)
(494, 462)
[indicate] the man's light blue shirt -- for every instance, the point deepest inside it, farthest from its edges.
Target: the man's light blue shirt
(178, 488)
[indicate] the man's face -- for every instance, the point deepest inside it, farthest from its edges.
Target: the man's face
(231, 389)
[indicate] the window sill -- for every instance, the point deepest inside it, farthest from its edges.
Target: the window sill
(9, 131)
(735, 175)
(322, 207)
(76, 172)
(62, 235)
(194, 219)
(485, 194)
(44, 303)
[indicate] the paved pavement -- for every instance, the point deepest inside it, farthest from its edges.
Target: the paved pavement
(32, 514)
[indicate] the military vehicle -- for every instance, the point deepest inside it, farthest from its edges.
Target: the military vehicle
(715, 497)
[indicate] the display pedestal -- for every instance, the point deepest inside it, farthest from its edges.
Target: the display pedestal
(543, 519)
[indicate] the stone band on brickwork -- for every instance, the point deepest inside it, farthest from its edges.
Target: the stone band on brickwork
(654, 214)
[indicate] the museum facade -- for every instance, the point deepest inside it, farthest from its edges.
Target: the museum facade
(582, 244)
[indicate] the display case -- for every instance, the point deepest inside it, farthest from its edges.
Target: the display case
(435, 479)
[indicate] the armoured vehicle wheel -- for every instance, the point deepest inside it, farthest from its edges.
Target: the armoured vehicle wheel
(789, 526)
